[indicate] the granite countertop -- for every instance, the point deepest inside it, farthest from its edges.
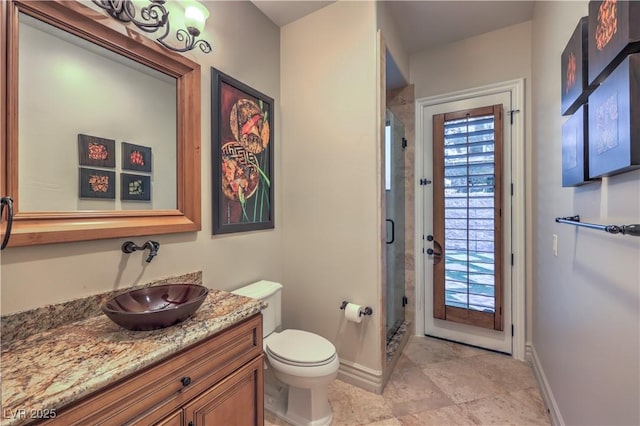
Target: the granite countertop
(47, 370)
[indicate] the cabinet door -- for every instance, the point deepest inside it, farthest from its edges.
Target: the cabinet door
(237, 400)
(174, 419)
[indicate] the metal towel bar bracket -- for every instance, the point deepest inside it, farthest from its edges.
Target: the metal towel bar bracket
(633, 229)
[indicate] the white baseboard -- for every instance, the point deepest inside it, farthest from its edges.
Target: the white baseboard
(545, 388)
(361, 376)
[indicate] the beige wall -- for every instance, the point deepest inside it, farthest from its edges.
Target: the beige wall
(331, 177)
(488, 58)
(393, 41)
(35, 276)
(586, 330)
(493, 57)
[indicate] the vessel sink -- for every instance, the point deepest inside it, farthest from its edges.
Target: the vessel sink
(156, 307)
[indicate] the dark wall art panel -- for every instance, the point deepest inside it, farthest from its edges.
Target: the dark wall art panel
(95, 183)
(135, 187)
(614, 32)
(574, 149)
(136, 157)
(95, 151)
(614, 121)
(574, 68)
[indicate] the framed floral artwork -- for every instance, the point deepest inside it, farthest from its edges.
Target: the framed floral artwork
(96, 183)
(136, 157)
(135, 187)
(95, 151)
(242, 156)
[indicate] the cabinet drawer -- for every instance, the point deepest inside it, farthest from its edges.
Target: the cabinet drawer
(158, 390)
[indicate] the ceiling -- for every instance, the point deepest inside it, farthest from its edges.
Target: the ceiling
(283, 12)
(422, 24)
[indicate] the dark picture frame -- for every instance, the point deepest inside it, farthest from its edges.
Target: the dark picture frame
(574, 68)
(135, 187)
(242, 156)
(96, 151)
(614, 121)
(136, 157)
(97, 183)
(614, 33)
(575, 150)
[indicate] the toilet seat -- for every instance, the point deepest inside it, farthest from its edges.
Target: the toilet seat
(298, 364)
(304, 375)
(300, 348)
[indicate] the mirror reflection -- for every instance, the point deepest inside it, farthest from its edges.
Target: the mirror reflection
(97, 131)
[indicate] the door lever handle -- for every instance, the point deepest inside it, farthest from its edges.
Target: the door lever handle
(437, 255)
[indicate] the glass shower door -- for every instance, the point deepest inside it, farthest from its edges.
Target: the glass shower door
(395, 222)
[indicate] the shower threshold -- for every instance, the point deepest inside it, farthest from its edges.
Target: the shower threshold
(394, 340)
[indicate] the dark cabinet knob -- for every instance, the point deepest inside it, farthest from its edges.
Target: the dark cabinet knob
(190, 424)
(186, 381)
(429, 237)
(429, 251)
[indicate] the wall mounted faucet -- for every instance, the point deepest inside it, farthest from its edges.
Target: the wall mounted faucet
(153, 246)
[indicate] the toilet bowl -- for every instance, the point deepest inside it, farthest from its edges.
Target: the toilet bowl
(300, 364)
(307, 363)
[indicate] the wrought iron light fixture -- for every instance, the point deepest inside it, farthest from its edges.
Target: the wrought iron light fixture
(155, 17)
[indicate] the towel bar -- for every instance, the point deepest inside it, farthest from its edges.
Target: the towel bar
(633, 230)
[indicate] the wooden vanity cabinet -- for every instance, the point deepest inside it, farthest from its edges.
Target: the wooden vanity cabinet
(218, 381)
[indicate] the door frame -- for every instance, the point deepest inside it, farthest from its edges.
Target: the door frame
(518, 290)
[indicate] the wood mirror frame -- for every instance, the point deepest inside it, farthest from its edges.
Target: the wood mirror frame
(30, 228)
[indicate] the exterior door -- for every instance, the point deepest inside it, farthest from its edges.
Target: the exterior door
(467, 273)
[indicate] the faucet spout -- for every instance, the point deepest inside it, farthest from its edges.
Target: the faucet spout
(153, 247)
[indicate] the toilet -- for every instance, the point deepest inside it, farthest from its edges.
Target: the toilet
(300, 365)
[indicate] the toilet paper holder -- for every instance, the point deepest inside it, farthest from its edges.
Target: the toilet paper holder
(365, 311)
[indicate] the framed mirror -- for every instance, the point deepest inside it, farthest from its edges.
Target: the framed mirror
(101, 127)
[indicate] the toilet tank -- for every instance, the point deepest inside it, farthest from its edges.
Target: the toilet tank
(270, 292)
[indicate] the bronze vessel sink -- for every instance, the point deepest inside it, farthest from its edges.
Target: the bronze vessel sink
(156, 307)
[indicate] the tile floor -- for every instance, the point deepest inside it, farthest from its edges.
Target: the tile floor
(442, 383)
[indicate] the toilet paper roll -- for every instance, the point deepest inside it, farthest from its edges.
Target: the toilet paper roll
(352, 312)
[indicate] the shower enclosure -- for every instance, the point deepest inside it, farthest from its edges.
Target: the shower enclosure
(395, 145)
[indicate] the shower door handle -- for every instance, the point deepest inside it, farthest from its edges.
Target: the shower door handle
(393, 231)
